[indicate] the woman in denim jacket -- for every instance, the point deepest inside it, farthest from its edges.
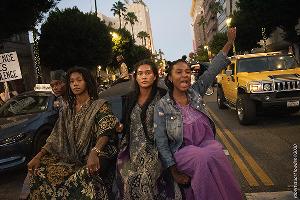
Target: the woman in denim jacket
(184, 133)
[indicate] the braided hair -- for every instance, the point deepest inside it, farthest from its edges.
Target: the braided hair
(88, 79)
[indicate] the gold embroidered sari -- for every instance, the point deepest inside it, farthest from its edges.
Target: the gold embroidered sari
(62, 173)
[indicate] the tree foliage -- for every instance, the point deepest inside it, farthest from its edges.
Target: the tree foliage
(202, 23)
(253, 15)
(143, 35)
(132, 19)
(217, 42)
(122, 41)
(70, 37)
(215, 7)
(136, 54)
(22, 15)
(201, 55)
(119, 9)
(124, 45)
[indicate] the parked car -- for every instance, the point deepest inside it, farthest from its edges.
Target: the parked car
(26, 121)
(256, 82)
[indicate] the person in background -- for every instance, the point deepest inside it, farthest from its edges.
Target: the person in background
(4, 94)
(58, 86)
(138, 165)
(123, 69)
(78, 159)
(184, 133)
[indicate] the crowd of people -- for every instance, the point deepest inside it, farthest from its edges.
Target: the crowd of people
(163, 147)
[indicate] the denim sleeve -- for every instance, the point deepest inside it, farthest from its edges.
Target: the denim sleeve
(206, 79)
(161, 138)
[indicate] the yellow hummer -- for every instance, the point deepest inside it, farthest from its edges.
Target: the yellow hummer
(253, 83)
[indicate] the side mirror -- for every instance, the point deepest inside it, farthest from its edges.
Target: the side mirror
(228, 72)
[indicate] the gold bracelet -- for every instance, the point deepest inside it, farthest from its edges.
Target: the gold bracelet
(96, 150)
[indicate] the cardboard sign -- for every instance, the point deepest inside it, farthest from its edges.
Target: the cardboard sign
(9, 67)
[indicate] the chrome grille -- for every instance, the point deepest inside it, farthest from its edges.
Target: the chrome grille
(287, 85)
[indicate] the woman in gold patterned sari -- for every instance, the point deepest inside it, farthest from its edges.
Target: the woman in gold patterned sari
(78, 159)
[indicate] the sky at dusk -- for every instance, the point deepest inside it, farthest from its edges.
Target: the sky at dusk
(170, 20)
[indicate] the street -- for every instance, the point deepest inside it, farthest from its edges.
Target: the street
(261, 154)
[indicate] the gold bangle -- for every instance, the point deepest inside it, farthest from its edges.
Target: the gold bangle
(96, 150)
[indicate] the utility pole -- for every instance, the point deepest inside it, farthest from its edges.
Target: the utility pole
(96, 7)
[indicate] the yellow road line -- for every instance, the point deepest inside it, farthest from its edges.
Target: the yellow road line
(245, 171)
(262, 175)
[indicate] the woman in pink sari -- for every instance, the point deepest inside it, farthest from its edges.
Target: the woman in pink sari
(184, 133)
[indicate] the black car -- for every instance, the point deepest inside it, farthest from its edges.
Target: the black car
(25, 123)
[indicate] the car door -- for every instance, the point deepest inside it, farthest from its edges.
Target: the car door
(232, 83)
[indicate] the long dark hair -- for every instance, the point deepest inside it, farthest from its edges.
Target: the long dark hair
(135, 94)
(90, 85)
(168, 83)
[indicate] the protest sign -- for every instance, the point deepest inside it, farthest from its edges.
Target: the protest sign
(9, 67)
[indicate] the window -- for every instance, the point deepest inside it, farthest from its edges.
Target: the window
(24, 105)
(267, 63)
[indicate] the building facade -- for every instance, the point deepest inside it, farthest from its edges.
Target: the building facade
(196, 13)
(229, 6)
(203, 30)
(141, 10)
(144, 24)
(211, 27)
(109, 21)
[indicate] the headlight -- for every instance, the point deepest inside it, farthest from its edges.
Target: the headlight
(13, 139)
(255, 87)
(267, 87)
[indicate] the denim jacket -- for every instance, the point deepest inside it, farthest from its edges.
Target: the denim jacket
(168, 122)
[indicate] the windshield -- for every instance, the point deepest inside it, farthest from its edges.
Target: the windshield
(21, 105)
(267, 63)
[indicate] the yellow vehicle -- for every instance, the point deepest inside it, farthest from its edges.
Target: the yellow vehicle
(254, 82)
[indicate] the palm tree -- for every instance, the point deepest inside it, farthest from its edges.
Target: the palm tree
(160, 53)
(118, 9)
(143, 35)
(202, 23)
(131, 18)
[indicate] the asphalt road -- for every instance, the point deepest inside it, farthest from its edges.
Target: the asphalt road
(261, 154)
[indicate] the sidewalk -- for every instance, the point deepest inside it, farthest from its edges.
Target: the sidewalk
(283, 195)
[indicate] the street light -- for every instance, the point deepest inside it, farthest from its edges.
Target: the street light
(228, 21)
(99, 70)
(114, 35)
(206, 47)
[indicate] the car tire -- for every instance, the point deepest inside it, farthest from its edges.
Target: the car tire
(40, 141)
(246, 110)
(221, 98)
